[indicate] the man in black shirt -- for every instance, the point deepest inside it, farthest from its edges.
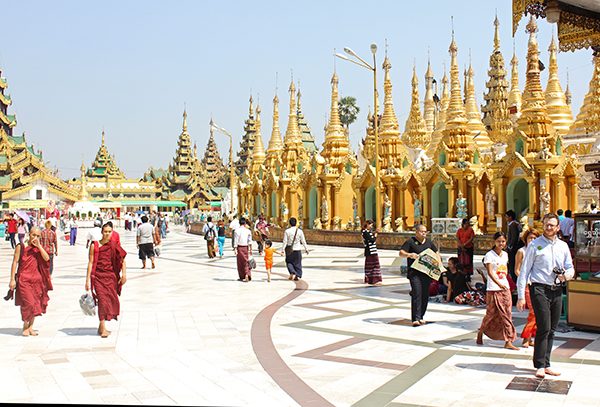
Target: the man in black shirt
(513, 241)
(419, 282)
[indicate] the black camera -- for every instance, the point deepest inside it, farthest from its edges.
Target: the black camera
(559, 272)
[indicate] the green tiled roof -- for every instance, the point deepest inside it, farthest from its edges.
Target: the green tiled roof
(17, 139)
(3, 158)
(5, 180)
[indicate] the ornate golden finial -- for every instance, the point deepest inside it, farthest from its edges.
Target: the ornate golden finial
(556, 101)
(389, 130)
(496, 33)
(251, 108)
(415, 131)
(275, 143)
(102, 138)
(184, 127)
(258, 152)
(476, 127)
(568, 94)
(429, 111)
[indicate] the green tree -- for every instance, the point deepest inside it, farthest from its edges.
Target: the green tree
(348, 110)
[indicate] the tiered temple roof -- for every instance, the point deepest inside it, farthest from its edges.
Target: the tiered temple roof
(495, 111)
(294, 152)
(477, 130)
(7, 121)
(212, 162)
(307, 138)
(247, 143)
(336, 148)
(392, 151)
(104, 164)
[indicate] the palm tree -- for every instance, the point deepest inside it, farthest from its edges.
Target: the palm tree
(348, 110)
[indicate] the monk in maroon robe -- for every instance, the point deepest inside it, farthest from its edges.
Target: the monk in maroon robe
(30, 277)
(105, 276)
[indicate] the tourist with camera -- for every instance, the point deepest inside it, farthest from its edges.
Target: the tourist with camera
(547, 265)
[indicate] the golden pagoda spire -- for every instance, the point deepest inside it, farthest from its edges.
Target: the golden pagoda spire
(428, 103)
(415, 131)
(556, 101)
(496, 115)
(568, 94)
(258, 153)
(389, 130)
(515, 97)
(184, 127)
(336, 146)
(251, 108)
(292, 132)
(275, 143)
(588, 119)
(455, 133)
(102, 143)
(476, 127)
(534, 121)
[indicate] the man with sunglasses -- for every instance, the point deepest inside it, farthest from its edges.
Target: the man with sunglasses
(547, 265)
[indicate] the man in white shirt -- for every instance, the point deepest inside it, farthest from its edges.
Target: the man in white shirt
(233, 225)
(145, 241)
(242, 247)
(547, 265)
(95, 234)
(293, 239)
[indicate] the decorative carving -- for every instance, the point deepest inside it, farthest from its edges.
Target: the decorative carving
(417, 208)
(324, 209)
(544, 201)
(317, 224)
(490, 203)
(350, 224)
(387, 227)
(475, 225)
(461, 206)
(337, 223)
(399, 224)
(387, 207)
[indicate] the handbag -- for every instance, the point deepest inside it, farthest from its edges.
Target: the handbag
(289, 249)
(87, 304)
(252, 263)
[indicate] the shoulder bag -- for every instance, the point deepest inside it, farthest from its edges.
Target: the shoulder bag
(289, 249)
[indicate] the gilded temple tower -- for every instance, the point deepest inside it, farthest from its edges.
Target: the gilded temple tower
(496, 115)
(336, 175)
(416, 131)
(436, 137)
(429, 111)
(212, 162)
(515, 97)
(305, 134)
(556, 101)
(477, 130)
(392, 151)
(7, 121)
(247, 142)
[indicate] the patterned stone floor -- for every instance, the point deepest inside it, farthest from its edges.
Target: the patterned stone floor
(191, 334)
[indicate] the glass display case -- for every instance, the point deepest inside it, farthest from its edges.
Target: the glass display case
(584, 291)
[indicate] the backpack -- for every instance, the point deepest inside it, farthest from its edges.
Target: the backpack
(210, 233)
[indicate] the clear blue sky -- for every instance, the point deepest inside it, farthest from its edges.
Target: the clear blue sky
(76, 67)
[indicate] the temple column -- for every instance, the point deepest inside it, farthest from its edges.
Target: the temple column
(534, 203)
(451, 201)
(559, 193)
(472, 200)
(500, 201)
(402, 206)
(573, 203)
(425, 208)
(360, 201)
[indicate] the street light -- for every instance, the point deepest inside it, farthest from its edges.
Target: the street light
(373, 68)
(231, 171)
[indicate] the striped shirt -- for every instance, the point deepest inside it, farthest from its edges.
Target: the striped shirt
(369, 242)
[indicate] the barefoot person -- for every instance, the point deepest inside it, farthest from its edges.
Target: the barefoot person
(30, 276)
(547, 265)
(145, 241)
(242, 247)
(105, 277)
(497, 323)
(530, 327)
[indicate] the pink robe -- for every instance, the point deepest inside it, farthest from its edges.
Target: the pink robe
(33, 283)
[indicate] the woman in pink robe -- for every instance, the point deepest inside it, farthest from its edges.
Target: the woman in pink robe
(105, 276)
(30, 276)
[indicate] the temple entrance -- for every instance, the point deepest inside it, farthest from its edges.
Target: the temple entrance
(313, 204)
(439, 200)
(517, 197)
(370, 204)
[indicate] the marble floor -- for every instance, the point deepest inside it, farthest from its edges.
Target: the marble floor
(191, 334)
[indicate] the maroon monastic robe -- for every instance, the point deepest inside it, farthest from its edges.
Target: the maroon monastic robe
(33, 283)
(106, 272)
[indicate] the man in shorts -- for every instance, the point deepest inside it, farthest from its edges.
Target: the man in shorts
(145, 241)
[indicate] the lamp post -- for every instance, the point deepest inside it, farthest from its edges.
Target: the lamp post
(231, 170)
(373, 68)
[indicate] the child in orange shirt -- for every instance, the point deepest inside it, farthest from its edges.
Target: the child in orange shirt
(269, 258)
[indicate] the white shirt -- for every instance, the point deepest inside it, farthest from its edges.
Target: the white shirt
(566, 227)
(52, 220)
(541, 257)
(145, 231)
(499, 265)
(234, 224)
(95, 235)
(298, 243)
(242, 237)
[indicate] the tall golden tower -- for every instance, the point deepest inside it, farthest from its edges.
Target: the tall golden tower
(336, 148)
(436, 137)
(496, 117)
(247, 142)
(456, 133)
(275, 146)
(534, 122)
(515, 97)
(416, 133)
(258, 152)
(429, 104)
(293, 149)
(212, 162)
(305, 134)
(477, 130)
(556, 101)
(392, 153)
(588, 119)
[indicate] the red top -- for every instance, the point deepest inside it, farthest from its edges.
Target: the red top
(464, 235)
(12, 226)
